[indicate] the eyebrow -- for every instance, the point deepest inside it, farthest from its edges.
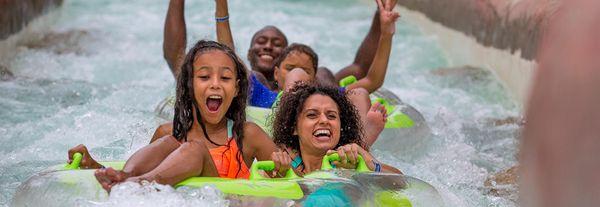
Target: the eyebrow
(209, 68)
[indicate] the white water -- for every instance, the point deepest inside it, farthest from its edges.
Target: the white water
(98, 81)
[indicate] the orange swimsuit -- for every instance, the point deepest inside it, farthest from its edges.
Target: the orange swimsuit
(225, 160)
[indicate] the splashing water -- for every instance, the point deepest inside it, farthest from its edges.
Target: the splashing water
(97, 75)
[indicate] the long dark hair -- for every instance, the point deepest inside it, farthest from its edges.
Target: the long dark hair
(186, 104)
(291, 104)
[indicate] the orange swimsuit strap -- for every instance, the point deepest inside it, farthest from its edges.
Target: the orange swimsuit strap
(228, 159)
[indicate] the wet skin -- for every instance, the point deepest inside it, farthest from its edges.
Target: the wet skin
(214, 82)
(293, 60)
(318, 125)
(267, 45)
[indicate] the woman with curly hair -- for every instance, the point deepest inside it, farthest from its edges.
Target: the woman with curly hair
(313, 121)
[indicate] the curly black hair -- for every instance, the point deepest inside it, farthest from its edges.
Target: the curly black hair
(186, 104)
(292, 103)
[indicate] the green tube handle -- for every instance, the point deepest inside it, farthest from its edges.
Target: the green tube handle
(268, 166)
(348, 80)
(361, 166)
(76, 162)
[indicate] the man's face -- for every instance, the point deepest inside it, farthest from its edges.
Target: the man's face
(267, 45)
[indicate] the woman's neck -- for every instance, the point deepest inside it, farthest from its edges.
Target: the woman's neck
(312, 159)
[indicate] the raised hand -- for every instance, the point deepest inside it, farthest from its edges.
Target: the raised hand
(387, 16)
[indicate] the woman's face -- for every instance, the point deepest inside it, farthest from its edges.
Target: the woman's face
(294, 60)
(215, 84)
(318, 124)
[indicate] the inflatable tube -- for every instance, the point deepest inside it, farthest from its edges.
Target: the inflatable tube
(72, 183)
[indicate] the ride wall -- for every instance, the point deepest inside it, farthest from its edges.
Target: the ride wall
(16, 14)
(499, 35)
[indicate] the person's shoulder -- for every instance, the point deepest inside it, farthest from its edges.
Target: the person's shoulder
(252, 128)
(162, 130)
(255, 132)
(166, 127)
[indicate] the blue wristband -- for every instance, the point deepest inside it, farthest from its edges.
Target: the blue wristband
(377, 166)
(222, 19)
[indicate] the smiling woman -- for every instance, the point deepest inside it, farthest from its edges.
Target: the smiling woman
(314, 120)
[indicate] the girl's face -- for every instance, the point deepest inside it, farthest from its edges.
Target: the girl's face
(215, 84)
(294, 60)
(318, 124)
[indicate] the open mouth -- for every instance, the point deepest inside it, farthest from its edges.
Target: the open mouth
(322, 134)
(214, 102)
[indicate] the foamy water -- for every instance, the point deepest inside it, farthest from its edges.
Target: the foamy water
(99, 73)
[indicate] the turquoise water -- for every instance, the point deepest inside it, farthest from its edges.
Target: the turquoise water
(98, 74)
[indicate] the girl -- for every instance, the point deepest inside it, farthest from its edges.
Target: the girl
(209, 130)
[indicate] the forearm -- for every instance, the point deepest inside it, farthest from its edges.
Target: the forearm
(174, 39)
(376, 75)
(364, 56)
(390, 169)
(150, 156)
(223, 29)
(368, 47)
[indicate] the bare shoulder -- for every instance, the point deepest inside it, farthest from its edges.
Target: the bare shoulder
(162, 130)
(254, 134)
(252, 129)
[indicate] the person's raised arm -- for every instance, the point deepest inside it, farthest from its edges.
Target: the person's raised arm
(174, 38)
(366, 52)
(364, 55)
(222, 20)
(378, 68)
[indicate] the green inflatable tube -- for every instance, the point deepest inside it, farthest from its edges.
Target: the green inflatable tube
(287, 187)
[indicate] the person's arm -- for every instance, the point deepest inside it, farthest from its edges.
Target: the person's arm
(174, 38)
(258, 142)
(222, 20)
(376, 75)
(365, 54)
(349, 154)
(161, 131)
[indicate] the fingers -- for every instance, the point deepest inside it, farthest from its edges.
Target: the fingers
(388, 5)
(348, 155)
(342, 154)
(352, 152)
(77, 149)
(380, 5)
(282, 163)
(375, 106)
(277, 160)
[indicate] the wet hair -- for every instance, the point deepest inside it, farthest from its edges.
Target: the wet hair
(292, 103)
(301, 48)
(186, 104)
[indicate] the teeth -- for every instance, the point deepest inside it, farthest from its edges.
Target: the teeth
(215, 97)
(322, 132)
(266, 56)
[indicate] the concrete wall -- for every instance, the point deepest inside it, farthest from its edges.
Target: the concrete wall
(16, 14)
(499, 35)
